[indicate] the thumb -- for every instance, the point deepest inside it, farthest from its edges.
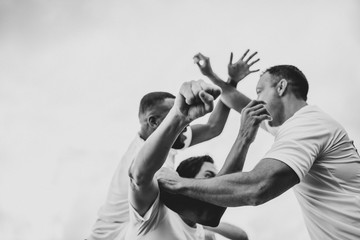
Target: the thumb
(208, 100)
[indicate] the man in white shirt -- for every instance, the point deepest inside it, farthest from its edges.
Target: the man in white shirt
(114, 214)
(312, 154)
(149, 217)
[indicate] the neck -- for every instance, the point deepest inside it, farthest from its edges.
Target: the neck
(292, 105)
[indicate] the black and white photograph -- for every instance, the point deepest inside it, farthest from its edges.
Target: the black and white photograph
(179, 120)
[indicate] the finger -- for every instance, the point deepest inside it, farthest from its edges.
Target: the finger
(252, 71)
(256, 107)
(196, 59)
(195, 87)
(208, 101)
(200, 56)
(263, 117)
(243, 56)
(261, 111)
(251, 57)
(206, 97)
(187, 93)
(253, 103)
(252, 63)
(231, 58)
(214, 90)
(200, 61)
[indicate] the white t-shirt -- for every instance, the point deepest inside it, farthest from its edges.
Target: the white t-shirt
(320, 152)
(114, 214)
(159, 222)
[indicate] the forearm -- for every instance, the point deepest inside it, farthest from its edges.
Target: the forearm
(214, 126)
(156, 148)
(236, 157)
(218, 118)
(230, 96)
(269, 179)
(231, 190)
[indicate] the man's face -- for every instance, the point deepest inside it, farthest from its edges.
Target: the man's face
(266, 91)
(163, 110)
(207, 170)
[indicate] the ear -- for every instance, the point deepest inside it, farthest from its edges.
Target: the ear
(152, 122)
(281, 87)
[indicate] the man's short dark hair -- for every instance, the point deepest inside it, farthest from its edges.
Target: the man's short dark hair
(190, 167)
(296, 79)
(151, 99)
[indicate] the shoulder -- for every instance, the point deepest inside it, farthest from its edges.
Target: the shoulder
(309, 121)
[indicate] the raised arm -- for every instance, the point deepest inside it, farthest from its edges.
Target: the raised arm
(237, 71)
(251, 117)
(214, 126)
(194, 100)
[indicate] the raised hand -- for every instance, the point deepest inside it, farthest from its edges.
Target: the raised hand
(203, 63)
(251, 117)
(240, 69)
(196, 98)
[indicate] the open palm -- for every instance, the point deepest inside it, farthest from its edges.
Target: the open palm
(240, 69)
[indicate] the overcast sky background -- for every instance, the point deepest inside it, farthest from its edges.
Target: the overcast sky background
(73, 72)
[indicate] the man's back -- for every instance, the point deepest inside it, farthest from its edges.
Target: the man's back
(115, 212)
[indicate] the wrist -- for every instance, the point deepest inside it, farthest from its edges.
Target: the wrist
(232, 82)
(243, 141)
(178, 118)
(183, 186)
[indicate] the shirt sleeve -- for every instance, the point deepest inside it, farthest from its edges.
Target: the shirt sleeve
(297, 146)
(150, 219)
(188, 135)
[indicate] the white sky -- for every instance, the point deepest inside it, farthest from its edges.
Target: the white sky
(73, 72)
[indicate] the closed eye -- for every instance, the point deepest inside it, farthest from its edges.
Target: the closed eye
(209, 174)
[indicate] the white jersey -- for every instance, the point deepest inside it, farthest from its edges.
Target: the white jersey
(159, 222)
(320, 152)
(113, 216)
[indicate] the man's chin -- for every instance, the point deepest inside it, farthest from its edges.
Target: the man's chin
(272, 123)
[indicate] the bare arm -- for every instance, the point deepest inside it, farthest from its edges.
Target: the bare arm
(214, 126)
(251, 117)
(267, 180)
(194, 100)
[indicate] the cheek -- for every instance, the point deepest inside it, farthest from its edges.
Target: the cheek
(263, 97)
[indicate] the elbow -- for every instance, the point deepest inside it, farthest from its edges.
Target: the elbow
(136, 177)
